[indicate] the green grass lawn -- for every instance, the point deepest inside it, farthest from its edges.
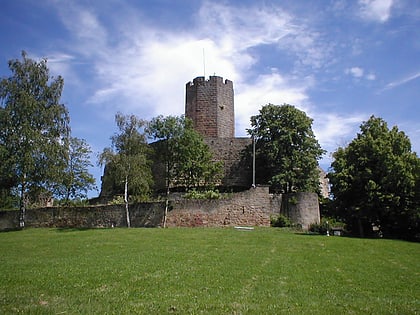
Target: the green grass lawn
(205, 271)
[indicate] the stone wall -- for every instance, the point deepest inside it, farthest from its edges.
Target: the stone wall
(9, 220)
(249, 208)
(301, 208)
(252, 207)
(230, 151)
(141, 215)
(210, 105)
(237, 174)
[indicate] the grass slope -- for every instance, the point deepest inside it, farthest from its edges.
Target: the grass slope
(210, 271)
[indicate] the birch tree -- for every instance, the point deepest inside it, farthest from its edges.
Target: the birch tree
(187, 159)
(34, 125)
(128, 157)
(77, 180)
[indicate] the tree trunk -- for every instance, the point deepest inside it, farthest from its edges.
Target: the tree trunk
(165, 214)
(361, 230)
(168, 182)
(126, 201)
(22, 203)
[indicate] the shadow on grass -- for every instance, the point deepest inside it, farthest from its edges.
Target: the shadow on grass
(11, 230)
(73, 229)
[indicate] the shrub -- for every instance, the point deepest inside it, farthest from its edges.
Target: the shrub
(280, 221)
(207, 194)
(325, 225)
(78, 202)
(118, 200)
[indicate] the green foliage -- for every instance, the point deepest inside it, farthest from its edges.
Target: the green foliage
(280, 221)
(206, 194)
(204, 271)
(375, 182)
(127, 161)
(326, 224)
(34, 125)
(39, 157)
(118, 200)
(292, 200)
(76, 202)
(77, 180)
(8, 200)
(287, 152)
(182, 150)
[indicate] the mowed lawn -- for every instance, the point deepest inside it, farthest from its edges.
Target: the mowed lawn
(205, 271)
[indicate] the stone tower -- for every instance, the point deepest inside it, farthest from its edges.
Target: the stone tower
(209, 104)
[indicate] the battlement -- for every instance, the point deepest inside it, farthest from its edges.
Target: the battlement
(209, 104)
(210, 81)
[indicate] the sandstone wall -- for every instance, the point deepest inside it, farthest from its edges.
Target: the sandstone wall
(141, 215)
(253, 207)
(237, 174)
(249, 208)
(230, 151)
(210, 105)
(301, 208)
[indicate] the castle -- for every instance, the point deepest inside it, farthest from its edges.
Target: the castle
(210, 105)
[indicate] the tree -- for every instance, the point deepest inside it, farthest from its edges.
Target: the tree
(197, 168)
(77, 180)
(375, 180)
(287, 151)
(128, 158)
(187, 159)
(33, 127)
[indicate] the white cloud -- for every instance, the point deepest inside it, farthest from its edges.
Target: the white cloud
(375, 10)
(270, 88)
(360, 73)
(146, 70)
(402, 81)
(85, 26)
(333, 130)
(356, 72)
(371, 77)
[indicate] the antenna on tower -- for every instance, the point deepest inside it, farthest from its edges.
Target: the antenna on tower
(204, 63)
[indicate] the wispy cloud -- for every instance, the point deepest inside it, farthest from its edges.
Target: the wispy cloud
(145, 70)
(269, 88)
(360, 73)
(355, 72)
(334, 130)
(402, 81)
(375, 10)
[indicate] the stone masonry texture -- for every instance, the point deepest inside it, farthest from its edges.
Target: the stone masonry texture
(252, 207)
(210, 105)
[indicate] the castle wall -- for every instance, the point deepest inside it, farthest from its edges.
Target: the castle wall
(301, 208)
(210, 105)
(230, 151)
(252, 207)
(141, 215)
(236, 172)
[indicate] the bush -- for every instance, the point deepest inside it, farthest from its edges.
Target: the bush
(118, 200)
(78, 202)
(325, 225)
(280, 221)
(207, 194)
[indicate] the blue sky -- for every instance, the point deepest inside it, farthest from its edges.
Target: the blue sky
(339, 61)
